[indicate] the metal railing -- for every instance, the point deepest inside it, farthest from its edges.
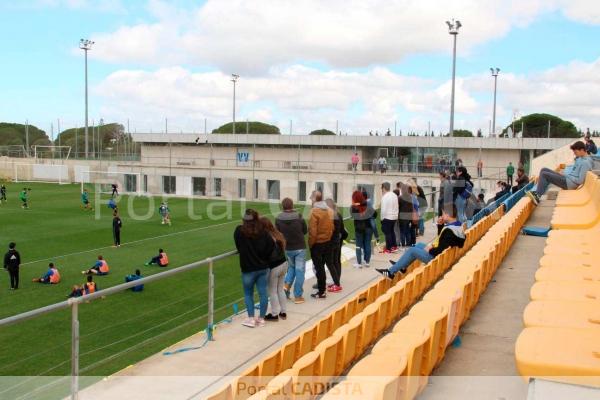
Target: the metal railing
(74, 302)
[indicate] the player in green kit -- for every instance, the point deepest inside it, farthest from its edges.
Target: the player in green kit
(85, 200)
(24, 197)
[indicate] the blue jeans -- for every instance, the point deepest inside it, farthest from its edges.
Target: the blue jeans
(374, 228)
(421, 226)
(296, 270)
(461, 206)
(258, 278)
(405, 239)
(363, 244)
(417, 252)
(547, 176)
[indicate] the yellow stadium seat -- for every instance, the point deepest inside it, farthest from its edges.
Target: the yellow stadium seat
(410, 291)
(394, 366)
(436, 315)
(225, 393)
(365, 388)
(384, 318)
(306, 369)
(464, 284)
(399, 300)
(373, 293)
(247, 384)
(281, 386)
(270, 366)
(362, 301)
(369, 328)
(583, 217)
(324, 328)
(338, 318)
(581, 196)
(568, 274)
(260, 395)
(290, 353)
(351, 333)
(308, 341)
(420, 284)
(330, 356)
(561, 354)
(350, 309)
(565, 314)
(573, 251)
(566, 291)
(453, 298)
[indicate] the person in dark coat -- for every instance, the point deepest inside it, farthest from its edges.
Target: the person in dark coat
(12, 262)
(116, 226)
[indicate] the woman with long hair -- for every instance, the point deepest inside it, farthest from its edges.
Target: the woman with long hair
(255, 246)
(278, 268)
(362, 213)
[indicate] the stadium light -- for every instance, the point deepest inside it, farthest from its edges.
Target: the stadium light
(453, 28)
(234, 79)
(86, 45)
(495, 72)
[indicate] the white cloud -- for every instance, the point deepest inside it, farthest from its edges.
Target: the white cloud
(114, 6)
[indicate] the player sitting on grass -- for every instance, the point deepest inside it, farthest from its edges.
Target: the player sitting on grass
(85, 200)
(161, 259)
(135, 277)
(24, 198)
(165, 213)
(87, 288)
(2, 194)
(99, 268)
(52, 276)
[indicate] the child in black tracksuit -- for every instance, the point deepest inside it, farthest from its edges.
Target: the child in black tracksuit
(12, 261)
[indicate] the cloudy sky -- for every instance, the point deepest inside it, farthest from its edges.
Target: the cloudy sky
(366, 64)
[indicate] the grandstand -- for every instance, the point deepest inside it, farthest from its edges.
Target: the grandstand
(482, 321)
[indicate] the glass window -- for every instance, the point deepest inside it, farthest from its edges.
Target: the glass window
(169, 184)
(255, 189)
(130, 183)
(218, 187)
(302, 191)
(273, 190)
(199, 186)
(242, 188)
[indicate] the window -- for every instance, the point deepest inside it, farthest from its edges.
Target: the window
(169, 184)
(130, 183)
(273, 190)
(242, 188)
(199, 186)
(217, 187)
(319, 186)
(302, 191)
(255, 189)
(334, 190)
(145, 188)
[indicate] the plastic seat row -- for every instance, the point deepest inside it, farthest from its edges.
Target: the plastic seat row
(578, 209)
(399, 363)
(335, 342)
(561, 336)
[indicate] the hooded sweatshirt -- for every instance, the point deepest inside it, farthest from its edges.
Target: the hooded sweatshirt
(452, 235)
(575, 174)
(293, 227)
(320, 225)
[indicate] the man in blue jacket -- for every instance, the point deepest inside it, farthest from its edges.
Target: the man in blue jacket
(572, 177)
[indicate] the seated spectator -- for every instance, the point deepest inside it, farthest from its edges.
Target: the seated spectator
(452, 235)
(590, 146)
(100, 267)
(135, 277)
(162, 260)
(87, 288)
(479, 204)
(52, 276)
(572, 177)
(522, 180)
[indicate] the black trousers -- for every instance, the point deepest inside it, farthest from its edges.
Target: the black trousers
(387, 226)
(14, 277)
(321, 255)
(336, 261)
(509, 179)
(117, 236)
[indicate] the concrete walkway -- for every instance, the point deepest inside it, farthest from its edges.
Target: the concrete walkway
(483, 366)
(197, 373)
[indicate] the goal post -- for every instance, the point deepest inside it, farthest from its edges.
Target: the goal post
(102, 181)
(51, 151)
(42, 173)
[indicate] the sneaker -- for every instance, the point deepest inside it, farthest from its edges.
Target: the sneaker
(357, 265)
(330, 285)
(335, 289)
(260, 322)
(386, 251)
(394, 249)
(271, 317)
(249, 322)
(318, 295)
(392, 262)
(282, 315)
(534, 197)
(385, 272)
(366, 265)
(299, 300)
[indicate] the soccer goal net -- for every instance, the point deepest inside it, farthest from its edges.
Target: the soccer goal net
(44, 173)
(53, 152)
(103, 181)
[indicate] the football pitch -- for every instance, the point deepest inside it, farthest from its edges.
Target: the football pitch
(127, 327)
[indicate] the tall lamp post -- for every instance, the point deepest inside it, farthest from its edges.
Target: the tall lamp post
(453, 28)
(495, 72)
(86, 45)
(234, 79)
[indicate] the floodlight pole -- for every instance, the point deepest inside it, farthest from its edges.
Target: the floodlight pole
(495, 72)
(453, 28)
(234, 79)
(86, 45)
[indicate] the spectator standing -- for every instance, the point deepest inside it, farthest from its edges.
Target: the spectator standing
(320, 230)
(590, 146)
(479, 168)
(414, 221)
(510, 171)
(362, 215)
(12, 263)
(374, 165)
(382, 164)
(117, 224)
(372, 219)
(522, 180)
(255, 247)
(355, 160)
(445, 200)
(405, 213)
(277, 270)
(338, 236)
(389, 216)
(293, 227)
(463, 188)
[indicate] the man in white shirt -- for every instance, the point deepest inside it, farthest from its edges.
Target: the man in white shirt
(389, 216)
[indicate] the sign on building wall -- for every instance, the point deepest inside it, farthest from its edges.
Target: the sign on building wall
(243, 157)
